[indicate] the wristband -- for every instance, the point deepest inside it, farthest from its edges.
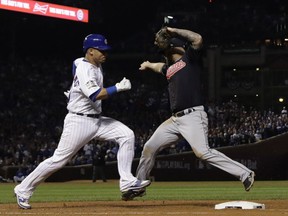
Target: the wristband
(111, 90)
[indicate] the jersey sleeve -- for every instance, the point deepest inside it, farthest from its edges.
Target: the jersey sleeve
(75, 64)
(164, 69)
(88, 80)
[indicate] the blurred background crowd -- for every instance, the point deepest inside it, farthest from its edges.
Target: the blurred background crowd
(36, 60)
(130, 26)
(32, 115)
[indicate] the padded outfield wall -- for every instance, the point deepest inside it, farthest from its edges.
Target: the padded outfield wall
(269, 159)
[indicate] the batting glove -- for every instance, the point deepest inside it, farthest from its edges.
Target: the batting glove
(124, 85)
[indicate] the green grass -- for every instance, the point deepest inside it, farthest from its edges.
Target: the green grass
(206, 190)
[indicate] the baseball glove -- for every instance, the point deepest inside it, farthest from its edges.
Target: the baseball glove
(162, 38)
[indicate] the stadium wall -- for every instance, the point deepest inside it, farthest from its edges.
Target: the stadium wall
(268, 158)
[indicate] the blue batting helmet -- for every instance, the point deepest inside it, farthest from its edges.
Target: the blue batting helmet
(96, 41)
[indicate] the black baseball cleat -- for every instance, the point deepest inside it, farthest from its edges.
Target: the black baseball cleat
(130, 195)
(137, 190)
(249, 181)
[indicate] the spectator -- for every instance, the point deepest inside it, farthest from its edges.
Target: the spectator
(258, 136)
(284, 112)
(99, 163)
(3, 180)
(20, 175)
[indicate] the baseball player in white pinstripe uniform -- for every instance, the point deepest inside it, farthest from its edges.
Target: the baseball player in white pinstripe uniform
(84, 122)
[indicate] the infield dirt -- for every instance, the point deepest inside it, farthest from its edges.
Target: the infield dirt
(139, 208)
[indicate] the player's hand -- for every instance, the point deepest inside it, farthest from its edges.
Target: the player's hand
(145, 65)
(66, 93)
(124, 85)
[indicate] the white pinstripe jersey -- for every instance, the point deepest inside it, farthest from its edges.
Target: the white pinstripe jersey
(87, 80)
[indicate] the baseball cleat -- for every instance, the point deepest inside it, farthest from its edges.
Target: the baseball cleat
(249, 181)
(130, 195)
(138, 185)
(137, 190)
(22, 202)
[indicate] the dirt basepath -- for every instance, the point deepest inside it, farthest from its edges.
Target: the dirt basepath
(139, 208)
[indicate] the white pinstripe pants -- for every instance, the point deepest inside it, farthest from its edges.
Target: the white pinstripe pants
(78, 131)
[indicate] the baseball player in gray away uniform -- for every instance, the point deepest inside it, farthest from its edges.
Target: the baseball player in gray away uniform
(84, 122)
(188, 120)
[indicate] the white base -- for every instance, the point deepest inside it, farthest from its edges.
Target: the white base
(239, 205)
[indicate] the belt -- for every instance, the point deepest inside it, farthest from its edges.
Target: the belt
(187, 111)
(88, 115)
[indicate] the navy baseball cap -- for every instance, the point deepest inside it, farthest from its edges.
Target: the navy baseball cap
(96, 41)
(176, 42)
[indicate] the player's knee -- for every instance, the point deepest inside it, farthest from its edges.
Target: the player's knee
(127, 138)
(58, 162)
(148, 150)
(130, 134)
(203, 155)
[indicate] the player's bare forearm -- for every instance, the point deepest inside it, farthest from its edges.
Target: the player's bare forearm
(103, 94)
(193, 37)
(156, 67)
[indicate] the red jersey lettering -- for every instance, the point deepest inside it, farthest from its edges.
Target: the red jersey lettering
(175, 68)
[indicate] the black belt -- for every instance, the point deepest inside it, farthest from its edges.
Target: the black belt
(89, 115)
(183, 112)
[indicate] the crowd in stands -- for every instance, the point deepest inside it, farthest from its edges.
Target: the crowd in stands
(223, 22)
(33, 107)
(220, 22)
